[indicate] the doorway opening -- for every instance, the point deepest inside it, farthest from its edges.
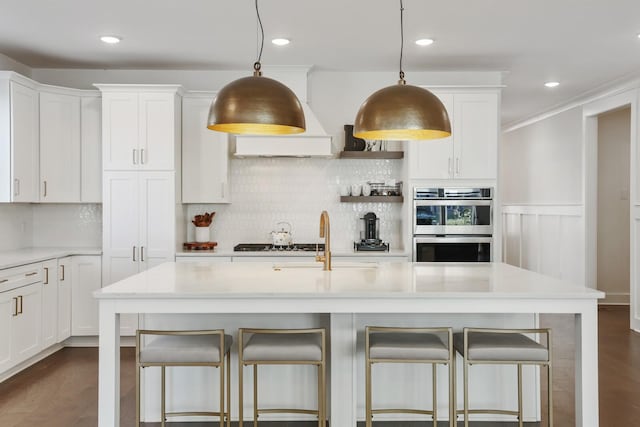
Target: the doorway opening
(613, 208)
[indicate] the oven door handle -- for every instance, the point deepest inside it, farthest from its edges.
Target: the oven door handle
(418, 240)
(457, 202)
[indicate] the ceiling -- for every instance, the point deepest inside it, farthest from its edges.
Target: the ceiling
(583, 44)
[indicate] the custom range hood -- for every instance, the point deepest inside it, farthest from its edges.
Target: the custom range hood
(313, 142)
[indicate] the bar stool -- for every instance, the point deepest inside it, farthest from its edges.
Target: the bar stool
(282, 347)
(503, 347)
(185, 348)
(410, 345)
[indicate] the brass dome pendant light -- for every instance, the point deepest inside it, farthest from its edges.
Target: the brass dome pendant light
(402, 112)
(256, 105)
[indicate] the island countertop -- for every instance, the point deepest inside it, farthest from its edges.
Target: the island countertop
(261, 280)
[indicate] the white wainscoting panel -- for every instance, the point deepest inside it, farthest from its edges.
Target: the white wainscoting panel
(548, 239)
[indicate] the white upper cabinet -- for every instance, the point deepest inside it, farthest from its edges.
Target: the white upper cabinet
(19, 134)
(433, 158)
(59, 147)
(140, 127)
(91, 149)
(205, 154)
(471, 151)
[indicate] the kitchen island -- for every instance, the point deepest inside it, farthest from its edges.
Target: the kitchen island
(345, 292)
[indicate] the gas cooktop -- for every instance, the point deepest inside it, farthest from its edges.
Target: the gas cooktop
(268, 247)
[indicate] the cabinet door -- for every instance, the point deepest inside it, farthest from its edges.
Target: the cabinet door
(120, 131)
(120, 234)
(475, 130)
(26, 332)
(50, 303)
(24, 143)
(433, 159)
(86, 273)
(8, 311)
(59, 148)
(157, 131)
(91, 152)
(205, 155)
(65, 284)
(157, 218)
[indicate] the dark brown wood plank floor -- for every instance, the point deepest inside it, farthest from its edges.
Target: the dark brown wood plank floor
(61, 391)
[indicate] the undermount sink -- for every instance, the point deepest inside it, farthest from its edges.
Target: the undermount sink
(318, 265)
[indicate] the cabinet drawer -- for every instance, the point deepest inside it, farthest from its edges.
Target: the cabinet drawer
(16, 277)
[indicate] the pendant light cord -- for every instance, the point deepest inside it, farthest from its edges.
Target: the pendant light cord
(401, 42)
(257, 65)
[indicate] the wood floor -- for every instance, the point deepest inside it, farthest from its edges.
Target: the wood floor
(61, 391)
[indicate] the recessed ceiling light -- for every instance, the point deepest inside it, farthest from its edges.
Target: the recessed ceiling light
(111, 39)
(281, 42)
(424, 42)
(552, 84)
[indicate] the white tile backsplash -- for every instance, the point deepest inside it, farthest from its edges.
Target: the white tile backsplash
(16, 226)
(67, 225)
(265, 191)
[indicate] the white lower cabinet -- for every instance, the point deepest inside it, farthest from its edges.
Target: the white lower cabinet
(50, 309)
(26, 322)
(65, 283)
(86, 272)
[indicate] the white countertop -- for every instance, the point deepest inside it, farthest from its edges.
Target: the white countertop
(24, 256)
(260, 280)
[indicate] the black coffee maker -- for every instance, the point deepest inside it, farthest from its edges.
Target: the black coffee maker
(370, 235)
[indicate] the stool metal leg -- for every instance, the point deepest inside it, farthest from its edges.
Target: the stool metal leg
(465, 374)
(162, 404)
(137, 394)
(229, 388)
(435, 395)
(550, 395)
(240, 380)
(221, 391)
(453, 417)
(520, 422)
(255, 395)
(320, 400)
(368, 415)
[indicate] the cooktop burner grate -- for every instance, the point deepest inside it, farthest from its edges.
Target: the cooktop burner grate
(268, 247)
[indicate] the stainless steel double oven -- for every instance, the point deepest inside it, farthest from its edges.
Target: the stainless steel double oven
(452, 224)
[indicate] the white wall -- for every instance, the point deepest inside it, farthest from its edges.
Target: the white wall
(613, 204)
(541, 181)
(16, 226)
(542, 163)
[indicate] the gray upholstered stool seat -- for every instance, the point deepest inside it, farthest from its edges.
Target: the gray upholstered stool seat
(503, 346)
(500, 347)
(409, 345)
(163, 349)
(282, 347)
(184, 349)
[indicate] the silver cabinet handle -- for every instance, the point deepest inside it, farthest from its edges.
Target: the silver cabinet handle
(142, 156)
(15, 306)
(135, 156)
(142, 253)
(4, 280)
(457, 165)
(134, 254)
(16, 187)
(33, 273)
(449, 165)
(62, 273)
(45, 189)
(46, 276)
